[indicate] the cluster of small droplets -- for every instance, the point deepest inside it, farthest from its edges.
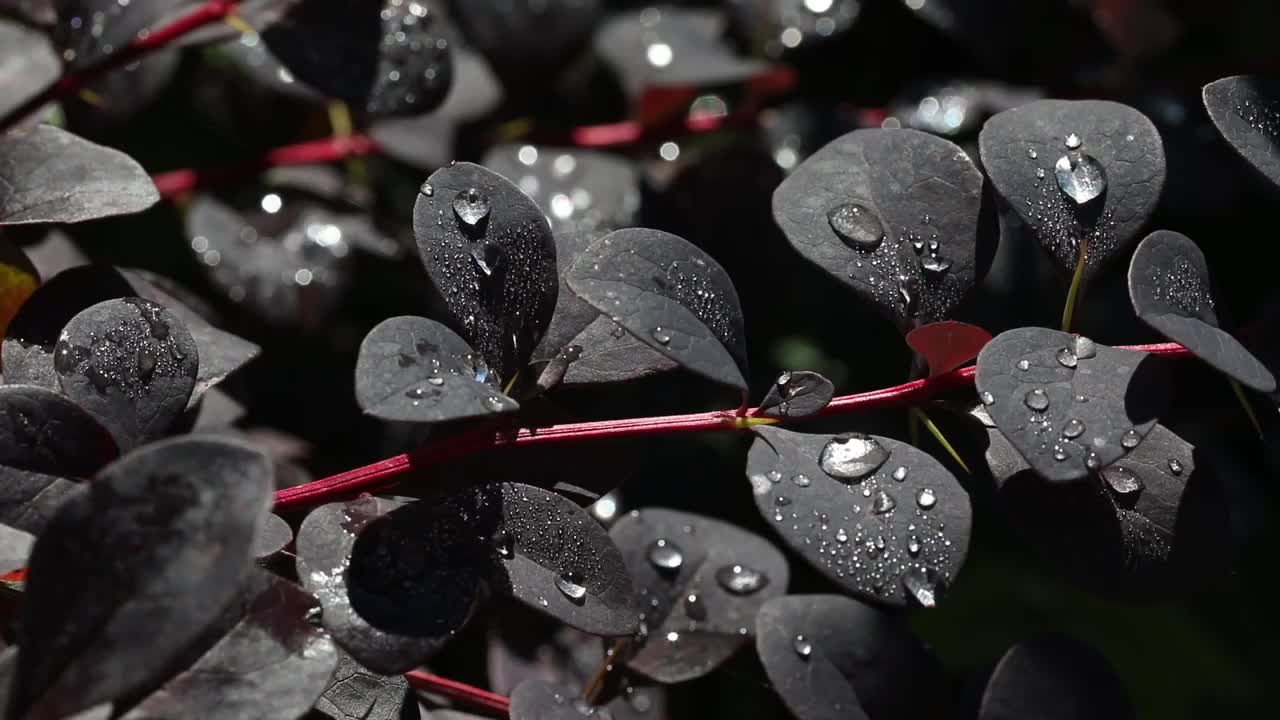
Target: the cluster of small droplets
(557, 183)
(1263, 117)
(413, 59)
(1182, 287)
(127, 357)
(689, 282)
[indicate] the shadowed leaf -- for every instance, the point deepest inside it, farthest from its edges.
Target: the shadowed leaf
(1055, 678)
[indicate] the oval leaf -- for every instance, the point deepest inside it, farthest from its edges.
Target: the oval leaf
(389, 57)
(538, 700)
(1246, 110)
(671, 296)
(492, 259)
(1080, 173)
(701, 582)
(897, 534)
(156, 547)
(830, 657)
(270, 662)
(417, 370)
(1171, 291)
(1055, 678)
(28, 63)
(48, 175)
(797, 393)
(357, 693)
(131, 364)
(892, 214)
(947, 345)
(1070, 406)
(274, 535)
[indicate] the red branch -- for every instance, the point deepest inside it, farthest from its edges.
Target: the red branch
(331, 149)
(472, 697)
(72, 82)
(379, 474)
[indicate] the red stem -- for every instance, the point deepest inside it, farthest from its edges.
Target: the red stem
(175, 183)
(73, 81)
(472, 697)
(379, 474)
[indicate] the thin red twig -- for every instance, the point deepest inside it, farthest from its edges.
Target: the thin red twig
(330, 149)
(72, 82)
(472, 697)
(379, 474)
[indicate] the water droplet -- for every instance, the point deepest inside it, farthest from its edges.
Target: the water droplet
(471, 206)
(427, 189)
(1031, 153)
(842, 536)
(570, 585)
(1039, 173)
(662, 336)
(857, 226)
(935, 265)
(1092, 461)
(495, 403)
(801, 480)
(665, 556)
(1175, 467)
(913, 545)
(774, 476)
(1067, 358)
(1024, 365)
(415, 393)
(852, 456)
(1072, 142)
(1085, 348)
(883, 503)
(1130, 439)
(740, 579)
(802, 646)
(784, 379)
(503, 543)
(1037, 400)
(909, 294)
(900, 473)
(1073, 429)
(437, 381)
(926, 498)
(487, 255)
(1122, 480)
(1082, 179)
(988, 398)
(1059, 453)
(922, 584)
(694, 608)
(782, 501)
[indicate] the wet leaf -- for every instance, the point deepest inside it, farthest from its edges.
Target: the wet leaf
(609, 353)
(671, 296)
(1136, 529)
(892, 214)
(491, 258)
(390, 58)
(1171, 291)
(269, 662)
(675, 556)
(90, 30)
(44, 440)
(15, 548)
(18, 279)
(671, 47)
(1069, 405)
(1116, 152)
(156, 546)
(357, 693)
(48, 175)
(1246, 111)
(28, 63)
(828, 656)
(947, 345)
(415, 369)
(537, 700)
(897, 533)
(1056, 678)
(393, 583)
(426, 141)
(797, 393)
(131, 364)
(578, 190)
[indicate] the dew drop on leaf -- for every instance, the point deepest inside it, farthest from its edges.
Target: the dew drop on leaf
(883, 503)
(570, 585)
(922, 584)
(802, 646)
(471, 206)
(1037, 400)
(665, 556)
(856, 226)
(852, 456)
(1122, 480)
(1080, 178)
(740, 579)
(1130, 439)
(926, 498)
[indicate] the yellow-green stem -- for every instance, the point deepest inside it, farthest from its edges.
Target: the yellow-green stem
(342, 126)
(1073, 294)
(1248, 407)
(942, 439)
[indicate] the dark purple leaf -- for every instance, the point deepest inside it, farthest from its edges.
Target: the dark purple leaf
(1054, 677)
(797, 393)
(357, 693)
(15, 548)
(1246, 110)
(274, 535)
(28, 63)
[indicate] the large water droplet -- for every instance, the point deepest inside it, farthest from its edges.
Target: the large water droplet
(900, 474)
(987, 398)
(1073, 429)
(1072, 142)
(922, 584)
(852, 456)
(1175, 467)
(1092, 461)
(740, 579)
(1037, 400)
(802, 646)
(661, 336)
(1067, 358)
(857, 226)
(935, 265)
(1081, 178)
(427, 189)
(913, 545)
(1122, 480)
(471, 206)
(1024, 365)
(665, 556)
(801, 480)
(570, 585)
(1130, 439)
(842, 536)
(487, 255)
(1084, 347)
(926, 498)
(883, 503)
